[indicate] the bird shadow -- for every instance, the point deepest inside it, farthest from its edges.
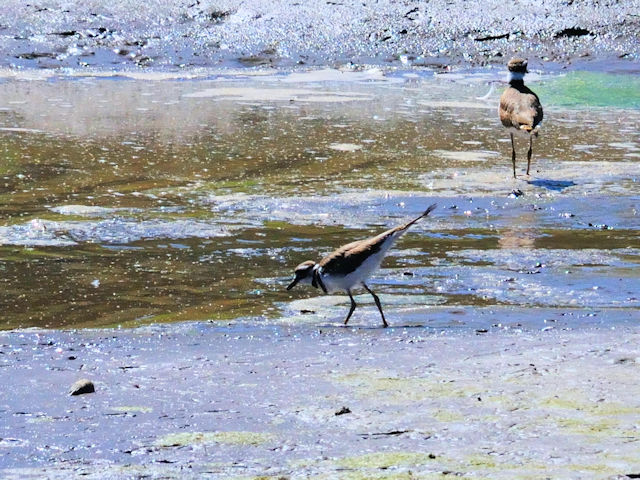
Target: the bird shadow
(555, 185)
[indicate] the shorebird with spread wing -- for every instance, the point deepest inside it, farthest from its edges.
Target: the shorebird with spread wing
(351, 265)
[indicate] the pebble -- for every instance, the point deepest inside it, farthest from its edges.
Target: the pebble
(81, 387)
(516, 193)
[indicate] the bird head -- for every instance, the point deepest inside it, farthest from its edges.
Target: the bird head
(517, 65)
(303, 273)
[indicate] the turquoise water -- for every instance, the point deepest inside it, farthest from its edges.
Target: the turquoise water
(591, 89)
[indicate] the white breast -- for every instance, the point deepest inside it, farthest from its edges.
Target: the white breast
(335, 283)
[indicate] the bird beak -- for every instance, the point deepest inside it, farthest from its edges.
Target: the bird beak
(293, 284)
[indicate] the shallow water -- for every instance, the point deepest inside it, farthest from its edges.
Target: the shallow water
(127, 202)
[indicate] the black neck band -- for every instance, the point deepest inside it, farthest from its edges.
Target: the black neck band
(317, 280)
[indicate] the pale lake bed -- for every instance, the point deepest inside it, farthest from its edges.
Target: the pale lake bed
(149, 225)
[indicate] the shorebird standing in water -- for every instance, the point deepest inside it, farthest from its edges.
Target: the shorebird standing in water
(520, 109)
(351, 265)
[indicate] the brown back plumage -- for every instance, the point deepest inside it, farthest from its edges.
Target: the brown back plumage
(349, 257)
(520, 108)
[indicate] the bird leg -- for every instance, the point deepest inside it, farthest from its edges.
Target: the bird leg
(513, 155)
(377, 300)
(353, 307)
(529, 153)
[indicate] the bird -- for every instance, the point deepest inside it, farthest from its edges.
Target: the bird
(520, 109)
(351, 265)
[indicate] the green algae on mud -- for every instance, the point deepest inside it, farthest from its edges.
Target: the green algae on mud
(380, 465)
(384, 460)
(182, 439)
(132, 409)
(395, 388)
(383, 465)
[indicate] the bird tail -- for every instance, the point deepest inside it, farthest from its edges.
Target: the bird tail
(424, 214)
(530, 130)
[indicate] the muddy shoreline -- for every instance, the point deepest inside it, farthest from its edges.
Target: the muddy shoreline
(201, 400)
(187, 35)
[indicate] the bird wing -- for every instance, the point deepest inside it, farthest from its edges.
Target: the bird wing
(520, 108)
(348, 257)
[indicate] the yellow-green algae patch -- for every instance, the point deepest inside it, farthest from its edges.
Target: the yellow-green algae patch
(383, 460)
(448, 416)
(403, 389)
(196, 438)
(259, 477)
(481, 461)
(592, 419)
(399, 465)
(575, 401)
(596, 428)
(369, 475)
(132, 409)
(42, 419)
(484, 465)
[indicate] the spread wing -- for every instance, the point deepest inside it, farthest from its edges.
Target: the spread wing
(348, 257)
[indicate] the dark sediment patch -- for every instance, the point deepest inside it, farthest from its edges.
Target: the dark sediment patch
(573, 32)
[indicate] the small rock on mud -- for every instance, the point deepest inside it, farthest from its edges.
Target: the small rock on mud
(81, 387)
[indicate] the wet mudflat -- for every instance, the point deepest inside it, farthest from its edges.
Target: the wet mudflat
(260, 401)
(154, 201)
(132, 202)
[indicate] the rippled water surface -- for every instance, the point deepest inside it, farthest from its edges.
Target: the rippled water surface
(125, 202)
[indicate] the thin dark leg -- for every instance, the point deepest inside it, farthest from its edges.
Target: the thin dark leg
(377, 300)
(353, 307)
(513, 155)
(529, 153)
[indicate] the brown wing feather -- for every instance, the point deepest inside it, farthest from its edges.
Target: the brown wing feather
(520, 108)
(348, 257)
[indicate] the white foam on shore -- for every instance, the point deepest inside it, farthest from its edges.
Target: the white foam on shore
(261, 94)
(87, 210)
(115, 231)
(336, 75)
